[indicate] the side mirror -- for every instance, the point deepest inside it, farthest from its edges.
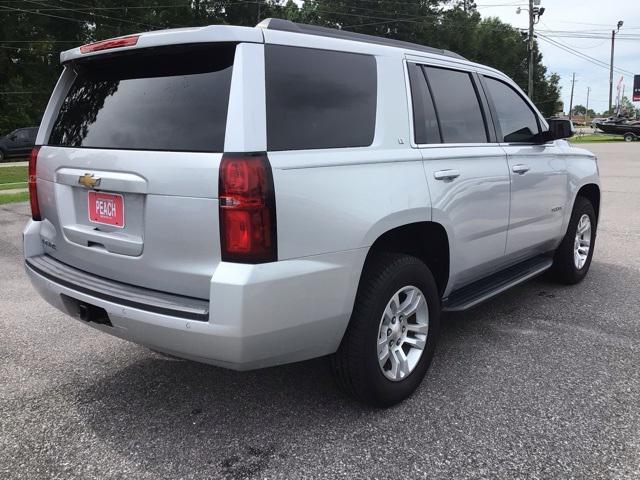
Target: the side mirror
(13, 137)
(559, 128)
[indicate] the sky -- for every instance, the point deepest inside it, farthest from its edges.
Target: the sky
(589, 17)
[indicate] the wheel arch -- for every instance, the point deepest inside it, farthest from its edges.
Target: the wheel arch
(425, 240)
(591, 192)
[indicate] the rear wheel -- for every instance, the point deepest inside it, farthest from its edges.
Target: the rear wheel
(573, 257)
(393, 330)
(629, 137)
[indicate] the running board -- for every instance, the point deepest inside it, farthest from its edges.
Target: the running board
(481, 290)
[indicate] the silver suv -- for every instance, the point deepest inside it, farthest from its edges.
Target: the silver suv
(249, 197)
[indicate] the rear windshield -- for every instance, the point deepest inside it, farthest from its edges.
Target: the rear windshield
(160, 99)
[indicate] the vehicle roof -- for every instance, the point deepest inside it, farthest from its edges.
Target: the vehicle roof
(289, 26)
(271, 28)
(229, 33)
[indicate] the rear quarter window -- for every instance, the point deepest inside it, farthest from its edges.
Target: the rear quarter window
(319, 98)
(173, 98)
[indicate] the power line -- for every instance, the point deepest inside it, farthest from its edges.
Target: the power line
(37, 12)
(6, 8)
(561, 34)
(24, 93)
(581, 55)
(76, 20)
(584, 23)
(619, 70)
(385, 20)
(40, 41)
(96, 14)
(569, 50)
(131, 7)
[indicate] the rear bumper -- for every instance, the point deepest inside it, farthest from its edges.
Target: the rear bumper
(258, 316)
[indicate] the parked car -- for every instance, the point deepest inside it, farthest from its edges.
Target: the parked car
(250, 197)
(18, 143)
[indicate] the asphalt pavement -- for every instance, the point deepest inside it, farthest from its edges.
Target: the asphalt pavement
(542, 382)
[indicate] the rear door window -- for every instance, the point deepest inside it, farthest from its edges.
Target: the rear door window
(457, 104)
(174, 98)
(319, 98)
(425, 121)
(517, 120)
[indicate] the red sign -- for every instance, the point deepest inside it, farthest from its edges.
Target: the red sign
(106, 208)
(636, 88)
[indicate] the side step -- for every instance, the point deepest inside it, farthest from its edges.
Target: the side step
(486, 288)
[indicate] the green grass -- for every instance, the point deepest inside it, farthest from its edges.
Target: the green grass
(11, 178)
(596, 138)
(13, 175)
(10, 186)
(14, 197)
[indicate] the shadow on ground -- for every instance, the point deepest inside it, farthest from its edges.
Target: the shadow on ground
(240, 423)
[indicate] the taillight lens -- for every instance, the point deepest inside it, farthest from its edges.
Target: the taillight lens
(33, 188)
(111, 43)
(247, 209)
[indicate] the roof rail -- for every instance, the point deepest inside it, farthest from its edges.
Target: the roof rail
(289, 26)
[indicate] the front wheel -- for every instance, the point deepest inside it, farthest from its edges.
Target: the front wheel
(391, 337)
(629, 137)
(573, 257)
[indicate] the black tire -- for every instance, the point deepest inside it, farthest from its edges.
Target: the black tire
(629, 137)
(355, 364)
(564, 269)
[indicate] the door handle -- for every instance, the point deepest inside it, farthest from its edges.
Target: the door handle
(520, 169)
(446, 174)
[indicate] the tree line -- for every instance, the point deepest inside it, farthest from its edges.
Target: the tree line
(627, 109)
(34, 32)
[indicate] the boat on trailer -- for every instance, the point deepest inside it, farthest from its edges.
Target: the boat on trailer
(629, 129)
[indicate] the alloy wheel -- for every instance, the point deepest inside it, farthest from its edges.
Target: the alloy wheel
(402, 334)
(582, 242)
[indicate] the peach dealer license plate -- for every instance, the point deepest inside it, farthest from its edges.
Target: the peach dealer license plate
(106, 208)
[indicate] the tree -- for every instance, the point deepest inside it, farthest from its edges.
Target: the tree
(627, 108)
(579, 110)
(29, 63)
(488, 41)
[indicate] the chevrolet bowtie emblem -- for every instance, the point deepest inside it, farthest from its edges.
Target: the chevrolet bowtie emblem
(88, 180)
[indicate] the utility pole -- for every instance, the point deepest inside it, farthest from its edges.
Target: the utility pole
(535, 13)
(586, 115)
(613, 46)
(531, 20)
(573, 81)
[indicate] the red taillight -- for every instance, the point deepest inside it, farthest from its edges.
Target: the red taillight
(33, 188)
(112, 43)
(247, 209)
